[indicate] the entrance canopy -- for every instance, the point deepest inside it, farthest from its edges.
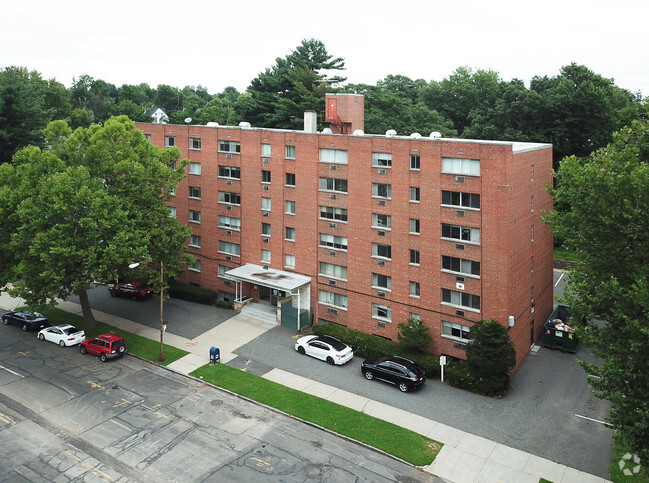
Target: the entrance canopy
(268, 277)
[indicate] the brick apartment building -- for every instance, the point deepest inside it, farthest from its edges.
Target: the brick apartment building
(368, 230)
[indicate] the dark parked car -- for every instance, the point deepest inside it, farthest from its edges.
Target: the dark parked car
(131, 290)
(403, 373)
(26, 320)
(106, 346)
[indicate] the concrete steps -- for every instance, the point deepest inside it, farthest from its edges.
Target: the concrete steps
(264, 313)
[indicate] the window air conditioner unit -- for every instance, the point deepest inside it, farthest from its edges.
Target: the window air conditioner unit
(265, 239)
(381, 233)
(459, 313)
(333, 225)
(459, 279)
(381, 324)
(228, 156)
(228, 283)
(381, 294)
(265, 160)
(381, 263)
(332, 311)
(332, 253)
(459, 345)
(265, 213)
(228, 232)
(332, 197)
(381, 171)
(228, 181)
(381, 202)
(332, 282)
(265, 186)
(459, 212)
(333, 167)
(229, 208)
(265, 267)
(459, 179)
(228, 258)
(459, 246)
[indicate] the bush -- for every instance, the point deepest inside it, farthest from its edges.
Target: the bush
(196, 294)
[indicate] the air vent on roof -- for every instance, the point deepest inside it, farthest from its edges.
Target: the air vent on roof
(327, 130)
(390, 133)
(435, 135)
(415, 135)
(244, 124)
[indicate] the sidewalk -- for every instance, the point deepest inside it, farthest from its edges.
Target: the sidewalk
(463, 458)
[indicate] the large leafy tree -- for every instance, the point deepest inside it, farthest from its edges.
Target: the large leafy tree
(607, 225)
(83, 210)
(297, 83)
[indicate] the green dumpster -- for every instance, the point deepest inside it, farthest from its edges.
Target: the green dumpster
(558, 332)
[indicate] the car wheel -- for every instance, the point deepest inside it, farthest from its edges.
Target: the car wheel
(41, 336)
(330, 361)
(62, 343)
(369, 375)
(5, 321)
(82, 349)
(301, 350)
(122, 349)
(403, 387)
(25, 327)
(103, 357)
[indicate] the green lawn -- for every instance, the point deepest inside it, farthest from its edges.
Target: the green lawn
(395, 440)
(563, 254)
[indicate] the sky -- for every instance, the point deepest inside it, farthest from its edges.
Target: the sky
(218, 44)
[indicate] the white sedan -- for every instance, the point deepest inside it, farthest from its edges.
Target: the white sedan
(63, 335)
(324, 347)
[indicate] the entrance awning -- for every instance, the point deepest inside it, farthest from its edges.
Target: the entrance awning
(268, 277)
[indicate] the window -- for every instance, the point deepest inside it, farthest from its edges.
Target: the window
(195, 143)
(381, 251)
(461, 233)
(230, 223)
(382, 312)
(463, 200)
(265, 150)
(172, 211)
(460, 265)
(289, 261)
(532, 264)
(532, 203)
(335, 299)
(195, 266)
(339, 214)
(382, 160)
(381, 221)
(532, 173)
(333, 241)
(147, 137)
(194, 216)
(229, 248)
(458, 331)
(414, 194)
(333, 184)
(468, 167)
(414, 316)
(460, 299)
(414, 289)
(265, 229)
(289, 233)
(195, 241)
(229, 147)
(265, 204)
(290, 179)
(230, 198)
(170, 141)
(195, 168)
(290, 207)
(532, 232)
(414, 161)
(223, 270)
(414, 226)
(383, 282)
(337, 156)
(265, 176)
(381, 190)
(195, 192)
(414, 257)
(334, 271)
(229, 172)
(265, 256)
(289, 152)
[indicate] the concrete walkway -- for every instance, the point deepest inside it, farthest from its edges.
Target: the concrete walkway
(464, 457)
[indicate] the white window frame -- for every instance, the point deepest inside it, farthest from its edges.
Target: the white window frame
(172, 211)
(195, 266)
(230, 147)
(195, 216)
(382, 160)
(415, 289)
(289, 151)
(375, 191)
(461, 166)
(415, 226)
(464, 198)
(265, 150)
(376, 279)
(473, 234)
(226, 247)
(265, 256)
(417, 161)
(195, 241)
(229, 172)
(266, 204)
(170, 141)
(289, 207)
(375, 251)
(195, 192)
(225, 197)
(289, 233)
(447, 331)
(337, 214)
(194, 144)
(333, 182)
(194, 168)
(382, 312)
(332, 271)
(332, 299)
(333, 156)
(333, 242)
(289, 261)
(226, 222)
(376, 224)
(463, 263)
(456, 300)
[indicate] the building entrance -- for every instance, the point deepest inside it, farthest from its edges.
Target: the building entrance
(270, 296)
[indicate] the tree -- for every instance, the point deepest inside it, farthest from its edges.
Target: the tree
(490, 356)
(607, 224)
(414, 336)
(83, 210)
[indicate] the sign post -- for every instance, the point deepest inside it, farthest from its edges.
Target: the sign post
(442, 363)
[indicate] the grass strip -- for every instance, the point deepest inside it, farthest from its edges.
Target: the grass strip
(403, 443)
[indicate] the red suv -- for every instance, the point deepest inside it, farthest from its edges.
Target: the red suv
(106, 346)
(132, 290)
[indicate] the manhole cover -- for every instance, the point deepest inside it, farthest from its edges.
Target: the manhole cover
(216, 402)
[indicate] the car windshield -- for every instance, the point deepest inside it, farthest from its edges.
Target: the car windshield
(117, 343)
(71, 330)
(34, 316)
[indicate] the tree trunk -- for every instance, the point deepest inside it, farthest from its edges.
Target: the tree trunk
(88, 316)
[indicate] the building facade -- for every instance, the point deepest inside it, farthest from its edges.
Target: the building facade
(385, 227)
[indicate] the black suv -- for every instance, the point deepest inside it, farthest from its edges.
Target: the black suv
(403, 373)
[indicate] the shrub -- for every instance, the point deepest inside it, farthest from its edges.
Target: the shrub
(193, 293)
(414, 336)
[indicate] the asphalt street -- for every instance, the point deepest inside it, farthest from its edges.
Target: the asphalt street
(65, 416)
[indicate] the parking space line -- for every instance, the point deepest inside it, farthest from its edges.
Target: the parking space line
(14, 373)
(591, 419)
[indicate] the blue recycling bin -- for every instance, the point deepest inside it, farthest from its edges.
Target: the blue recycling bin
(215, 355)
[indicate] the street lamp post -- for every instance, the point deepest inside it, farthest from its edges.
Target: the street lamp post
(161, 356)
